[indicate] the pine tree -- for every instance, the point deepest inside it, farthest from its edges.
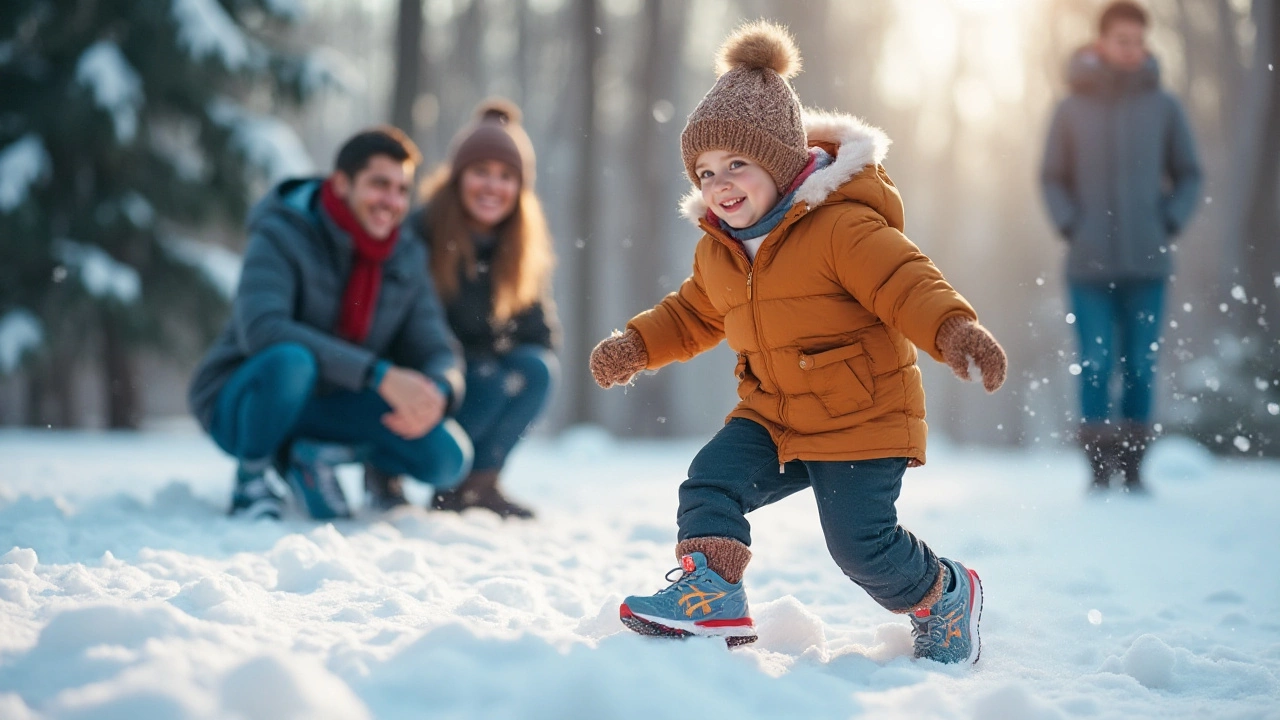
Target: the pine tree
(123, 122)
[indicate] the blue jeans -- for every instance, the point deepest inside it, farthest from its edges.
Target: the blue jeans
(271, 399)
(737, 472)
(504, 396)
(1119, 321)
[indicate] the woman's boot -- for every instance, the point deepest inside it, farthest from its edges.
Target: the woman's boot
(384, 491)
(480, 489)
(1134, 440)
(1100, 443)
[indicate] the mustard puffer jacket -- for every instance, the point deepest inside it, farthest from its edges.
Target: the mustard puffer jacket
(827, 319)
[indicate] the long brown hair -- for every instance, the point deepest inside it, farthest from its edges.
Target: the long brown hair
(522, 260)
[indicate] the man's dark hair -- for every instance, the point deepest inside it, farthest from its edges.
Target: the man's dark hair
(355, 153)
(1122, 11)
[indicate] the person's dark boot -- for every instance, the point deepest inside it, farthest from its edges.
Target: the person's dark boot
(1100, 442)
(1134, 440)
(383, 490)
(480, 489)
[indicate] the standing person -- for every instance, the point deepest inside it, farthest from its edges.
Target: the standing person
(337, 348)
(1121, 179)
(491, 259)
(804, 269)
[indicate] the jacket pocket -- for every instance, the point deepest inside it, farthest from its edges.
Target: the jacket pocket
(747, 382)
(841, 378)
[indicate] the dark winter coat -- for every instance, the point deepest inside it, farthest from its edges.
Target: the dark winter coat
(470, 314)
(295, 271)
(1120, 174)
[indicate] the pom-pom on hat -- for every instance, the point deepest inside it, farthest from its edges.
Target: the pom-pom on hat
(495, 134)
(752, 109)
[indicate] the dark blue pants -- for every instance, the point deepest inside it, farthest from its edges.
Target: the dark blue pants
(271, 400)
(1118, 322)
(504, 396)
(737, 472)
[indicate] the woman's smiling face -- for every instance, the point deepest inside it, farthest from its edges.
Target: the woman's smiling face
(735, 187)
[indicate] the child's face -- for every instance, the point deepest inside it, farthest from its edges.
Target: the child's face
(735, 187)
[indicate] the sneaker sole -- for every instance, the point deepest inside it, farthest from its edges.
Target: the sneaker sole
(975, 616)
(259, 509)
(653, 628)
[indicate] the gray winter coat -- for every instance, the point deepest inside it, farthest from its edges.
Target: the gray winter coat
(291, 288)
(1120, 173)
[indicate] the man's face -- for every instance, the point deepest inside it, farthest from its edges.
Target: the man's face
(378, 195)
(1124, 45)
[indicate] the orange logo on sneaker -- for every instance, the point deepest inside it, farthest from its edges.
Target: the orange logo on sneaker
(698, 600)
(953, 628)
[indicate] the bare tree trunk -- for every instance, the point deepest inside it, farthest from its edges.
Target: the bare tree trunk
(119, 378)
(656, 133)
(409, 61)
(586, 323)
(1262, 216)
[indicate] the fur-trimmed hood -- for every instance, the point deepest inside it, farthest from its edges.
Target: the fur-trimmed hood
(854, 144)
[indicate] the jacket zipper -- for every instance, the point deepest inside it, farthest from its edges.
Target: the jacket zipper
(755, 316)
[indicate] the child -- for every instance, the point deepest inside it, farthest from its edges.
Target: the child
(804, 269)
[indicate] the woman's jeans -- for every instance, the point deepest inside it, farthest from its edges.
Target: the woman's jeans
(737, 472)
(504, 396)
(271, 400)
(1118, 322)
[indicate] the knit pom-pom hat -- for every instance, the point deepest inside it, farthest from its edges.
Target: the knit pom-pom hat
(752, 109)
(495, 134)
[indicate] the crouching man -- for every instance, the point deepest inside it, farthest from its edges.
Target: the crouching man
(337, 349)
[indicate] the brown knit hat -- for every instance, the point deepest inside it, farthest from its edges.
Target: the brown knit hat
(495, 134)
(752, 109)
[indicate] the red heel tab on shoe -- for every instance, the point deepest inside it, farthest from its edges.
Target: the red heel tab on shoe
(686, 562)
(922, 613)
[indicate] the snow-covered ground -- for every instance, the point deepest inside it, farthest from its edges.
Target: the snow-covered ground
(129, 595)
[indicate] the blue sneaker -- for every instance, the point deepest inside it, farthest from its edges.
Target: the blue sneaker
(312, 476)
(699, 602)
(948, 631)
(254, 498)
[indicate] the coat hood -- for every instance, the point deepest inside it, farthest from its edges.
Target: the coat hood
(1088, 74)
(853, 143)
(292, 200)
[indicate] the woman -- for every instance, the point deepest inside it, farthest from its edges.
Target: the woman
(491, 258)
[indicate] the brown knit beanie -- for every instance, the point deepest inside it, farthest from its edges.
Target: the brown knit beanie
(495, 134)
(752, 109)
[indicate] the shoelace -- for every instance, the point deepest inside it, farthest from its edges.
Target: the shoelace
(927, 631)
(676, 582)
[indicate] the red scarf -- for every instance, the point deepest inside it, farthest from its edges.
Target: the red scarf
(361, 296)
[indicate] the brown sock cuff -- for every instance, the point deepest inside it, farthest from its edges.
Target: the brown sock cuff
(932, 597)
(726, 556)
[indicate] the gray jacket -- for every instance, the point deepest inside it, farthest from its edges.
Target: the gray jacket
(295, 271)
(1120, 174)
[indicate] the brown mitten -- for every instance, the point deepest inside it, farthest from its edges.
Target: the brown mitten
(961, 339)
(618, 358)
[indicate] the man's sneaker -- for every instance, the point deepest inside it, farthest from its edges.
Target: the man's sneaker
(312, 475)
(699, 602)
(253, 497)
(948, 631)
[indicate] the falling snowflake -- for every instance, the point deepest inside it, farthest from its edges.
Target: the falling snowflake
(1241, 443)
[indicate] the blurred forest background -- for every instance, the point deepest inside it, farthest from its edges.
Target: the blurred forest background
(134, 133)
